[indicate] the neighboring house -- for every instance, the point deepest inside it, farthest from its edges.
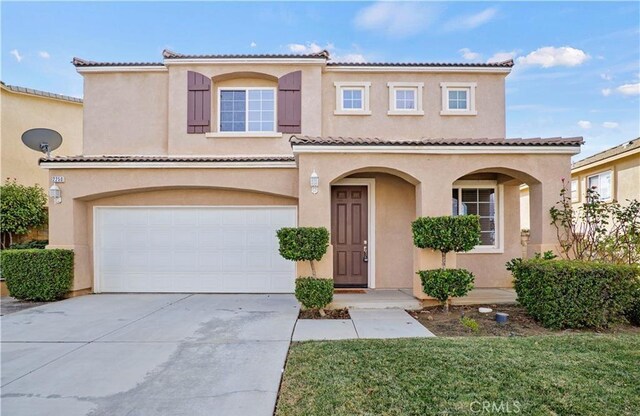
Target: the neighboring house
(613, 173)
(22, 109)
(192, 163)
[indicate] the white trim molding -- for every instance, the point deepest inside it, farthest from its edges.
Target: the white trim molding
(342, 86)
(240, 61)
(169, 165)
(243, 134)
(123, 68)
(435, 150)
(469, 87)
(400, 68)
(417, 87)
(370, 183)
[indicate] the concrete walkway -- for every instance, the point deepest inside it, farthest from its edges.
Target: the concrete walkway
(160, 354)
(364, 323)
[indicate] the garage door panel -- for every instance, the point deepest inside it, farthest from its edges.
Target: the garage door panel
(195, 249)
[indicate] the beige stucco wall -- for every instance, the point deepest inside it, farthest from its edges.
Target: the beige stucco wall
(125, 113)
(20, 112)
(490, 105)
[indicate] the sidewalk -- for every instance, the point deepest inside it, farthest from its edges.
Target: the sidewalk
(364, 323)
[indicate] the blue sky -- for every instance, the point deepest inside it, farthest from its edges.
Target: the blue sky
(577, 63)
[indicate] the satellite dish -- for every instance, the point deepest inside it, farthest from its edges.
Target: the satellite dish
(42, 140)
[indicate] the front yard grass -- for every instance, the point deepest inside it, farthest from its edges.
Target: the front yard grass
(537, 375)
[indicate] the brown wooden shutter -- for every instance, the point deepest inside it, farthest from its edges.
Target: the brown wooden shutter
(290, 103)
(199, 103)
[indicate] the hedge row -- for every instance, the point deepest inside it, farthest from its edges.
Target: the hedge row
(575, 294)
(35, 274)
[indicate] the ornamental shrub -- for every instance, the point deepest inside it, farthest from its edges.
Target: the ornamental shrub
(30, 244)
(314, 293)
(458, 233)
(443, 284)
(574, 294)
(633, 313)
(40, 275)
(304, 244)
(21, 208)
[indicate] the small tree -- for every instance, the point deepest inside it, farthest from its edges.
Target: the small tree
(446, 234)
(21, 208)
(308, 244)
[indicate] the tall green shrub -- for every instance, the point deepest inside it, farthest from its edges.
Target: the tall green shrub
(446, 234)
(308, 244)
(21, 208)
(35, 274)
(573, 293)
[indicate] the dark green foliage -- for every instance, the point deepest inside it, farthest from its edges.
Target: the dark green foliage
(574, 294)
(40, 275)
(314, 293)
(22, 208)
(445, 283)
(459, 233)
(633, 313)
(303, 243)
(30, 244)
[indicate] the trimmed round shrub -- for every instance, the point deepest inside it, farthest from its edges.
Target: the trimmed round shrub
(39, 275)
(314, 293)
(303, 243)
(575, 294)
(443, 284)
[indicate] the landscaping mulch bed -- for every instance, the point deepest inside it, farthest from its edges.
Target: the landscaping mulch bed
(519, 324)
(330, 314)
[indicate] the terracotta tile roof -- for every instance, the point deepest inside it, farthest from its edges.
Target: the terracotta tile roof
(39, 93)
(503, 64)
(151, 159)
(167, 54)
(374, 141)
(79, 62)
(614, 151)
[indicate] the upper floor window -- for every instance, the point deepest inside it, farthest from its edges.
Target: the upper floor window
(352, 98)
(405, 98)
(601, 183)
(458, 98)
(247, 110)
(574, 191)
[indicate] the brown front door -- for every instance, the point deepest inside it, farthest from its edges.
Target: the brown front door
(349, 235)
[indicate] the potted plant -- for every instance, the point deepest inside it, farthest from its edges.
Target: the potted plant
(308, 244)
(446, 234)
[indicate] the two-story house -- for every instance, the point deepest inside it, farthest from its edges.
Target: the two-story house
(190, 165)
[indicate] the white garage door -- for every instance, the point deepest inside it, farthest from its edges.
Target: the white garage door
(192, 249)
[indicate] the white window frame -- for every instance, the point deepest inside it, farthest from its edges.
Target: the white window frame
(498, 247)
(342, 86)
(576, 189)
(598, 175)
(470, 87)
(400, 86)
(248, 133)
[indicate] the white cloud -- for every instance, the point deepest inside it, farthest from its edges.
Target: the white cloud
(502, 56)
(550, 56)
(606, 92)
(609, 125)
(253, 44)
(606, 77)
(469, 55)
(396, 19)
(471, 21)
(44, 55)
(16, 55)
(309, 47)
(629, 89)
(350, 57)
(584, 124)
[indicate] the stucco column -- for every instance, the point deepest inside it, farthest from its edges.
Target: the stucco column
(432, 199)
(543, 236)
(314, 210)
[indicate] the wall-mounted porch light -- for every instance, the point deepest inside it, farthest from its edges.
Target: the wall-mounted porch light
(314, 181)
(55, 193)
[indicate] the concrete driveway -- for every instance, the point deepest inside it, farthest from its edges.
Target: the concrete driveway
(147, 354)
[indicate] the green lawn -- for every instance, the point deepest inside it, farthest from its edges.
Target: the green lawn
(541, 375)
